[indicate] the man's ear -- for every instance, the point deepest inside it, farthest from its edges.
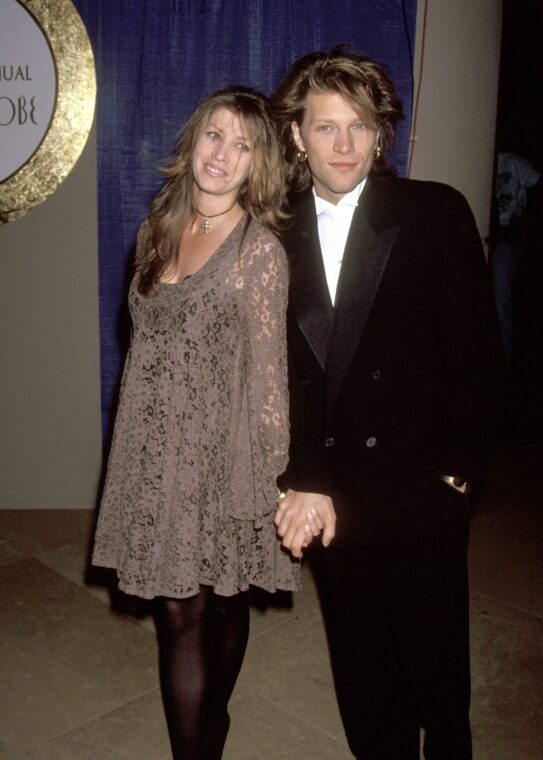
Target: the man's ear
(297, 136)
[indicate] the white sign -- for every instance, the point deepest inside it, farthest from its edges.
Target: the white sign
(28, 87)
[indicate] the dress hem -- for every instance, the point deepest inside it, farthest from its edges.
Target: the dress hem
(221, 589)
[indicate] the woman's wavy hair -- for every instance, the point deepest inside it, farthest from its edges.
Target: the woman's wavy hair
(360, 80)
(262, 194)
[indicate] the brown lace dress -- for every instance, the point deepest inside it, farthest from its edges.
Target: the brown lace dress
(202, 429)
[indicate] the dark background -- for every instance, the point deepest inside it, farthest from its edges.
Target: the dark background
(519, 130)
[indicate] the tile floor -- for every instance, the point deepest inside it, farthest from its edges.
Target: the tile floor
(78, 681)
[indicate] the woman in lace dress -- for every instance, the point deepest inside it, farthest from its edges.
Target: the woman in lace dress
(201, 432)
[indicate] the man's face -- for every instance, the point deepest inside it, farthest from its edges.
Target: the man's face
(338, 143)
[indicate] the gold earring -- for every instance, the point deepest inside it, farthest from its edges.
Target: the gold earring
(377, 152)
(301, 156)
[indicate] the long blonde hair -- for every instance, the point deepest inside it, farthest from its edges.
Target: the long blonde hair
(262, 194)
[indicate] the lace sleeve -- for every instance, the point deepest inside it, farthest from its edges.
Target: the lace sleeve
(265, 297)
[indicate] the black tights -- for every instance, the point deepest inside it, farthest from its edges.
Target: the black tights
(202, 641)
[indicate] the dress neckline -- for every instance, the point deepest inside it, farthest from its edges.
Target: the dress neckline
(213, 256)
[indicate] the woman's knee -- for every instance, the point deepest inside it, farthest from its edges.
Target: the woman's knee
(230, 606)
(179, 616)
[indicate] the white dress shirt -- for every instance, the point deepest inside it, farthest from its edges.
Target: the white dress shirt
(334, 223)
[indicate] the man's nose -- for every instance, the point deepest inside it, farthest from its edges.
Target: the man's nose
(344, 142)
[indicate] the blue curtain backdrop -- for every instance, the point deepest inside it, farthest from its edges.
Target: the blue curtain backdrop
(155, 59)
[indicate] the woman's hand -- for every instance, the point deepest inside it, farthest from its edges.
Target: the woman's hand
(301, 516)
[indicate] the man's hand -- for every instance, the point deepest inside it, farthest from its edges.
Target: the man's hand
(300, 516)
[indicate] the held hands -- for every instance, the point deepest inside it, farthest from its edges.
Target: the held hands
(301, 516)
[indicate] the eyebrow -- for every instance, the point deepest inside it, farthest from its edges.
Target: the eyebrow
(331, 118)
(211, 125)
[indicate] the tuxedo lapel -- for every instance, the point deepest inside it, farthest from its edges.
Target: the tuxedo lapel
(310, 296)
(364, 261)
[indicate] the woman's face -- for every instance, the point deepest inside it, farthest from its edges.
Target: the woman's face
(222, 155)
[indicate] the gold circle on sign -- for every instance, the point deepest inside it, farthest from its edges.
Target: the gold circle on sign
(72, 118)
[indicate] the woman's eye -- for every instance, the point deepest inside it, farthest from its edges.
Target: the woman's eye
(212, 135)
(243, 147)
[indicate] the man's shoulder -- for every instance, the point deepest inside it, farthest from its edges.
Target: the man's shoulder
(396, 200)
(413, 190)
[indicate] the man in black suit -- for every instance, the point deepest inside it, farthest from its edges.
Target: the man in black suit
(395, 368)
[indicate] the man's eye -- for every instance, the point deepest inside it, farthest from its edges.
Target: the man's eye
(324, 128)
(360, 125)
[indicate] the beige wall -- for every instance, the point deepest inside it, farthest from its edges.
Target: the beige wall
(50, 447)
(457, 107)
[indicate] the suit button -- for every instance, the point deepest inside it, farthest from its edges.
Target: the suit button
(329, 442)
(376, 374)
(371, 442)
(305, 382)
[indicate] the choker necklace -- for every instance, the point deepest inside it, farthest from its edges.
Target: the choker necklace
(206, 226)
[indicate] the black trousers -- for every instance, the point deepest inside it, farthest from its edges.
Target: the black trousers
(398, 628)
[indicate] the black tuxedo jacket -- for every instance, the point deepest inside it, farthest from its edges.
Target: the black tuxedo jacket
(401, 379)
